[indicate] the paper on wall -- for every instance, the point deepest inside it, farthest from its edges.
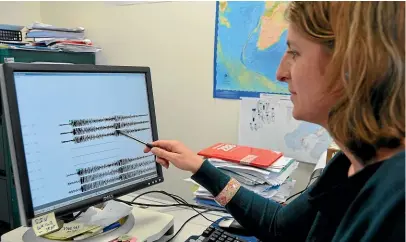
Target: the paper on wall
(267, 122)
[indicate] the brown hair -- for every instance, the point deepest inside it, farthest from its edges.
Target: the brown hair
(366, 41)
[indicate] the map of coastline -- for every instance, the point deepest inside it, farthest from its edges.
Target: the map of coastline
(250, 42)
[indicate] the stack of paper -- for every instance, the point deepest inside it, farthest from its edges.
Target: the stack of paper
(273, 176)
(272, 182)
(60, 39)
(93, 222)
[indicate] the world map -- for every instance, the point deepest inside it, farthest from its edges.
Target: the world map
(250, 41)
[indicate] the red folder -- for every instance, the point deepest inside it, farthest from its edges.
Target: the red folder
(241, 154)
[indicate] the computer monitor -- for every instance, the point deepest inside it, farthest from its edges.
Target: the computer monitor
(62, 123)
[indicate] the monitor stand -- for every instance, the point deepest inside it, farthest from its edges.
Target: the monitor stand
(144, 224)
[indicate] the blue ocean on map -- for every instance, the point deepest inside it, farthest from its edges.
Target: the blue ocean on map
(241, 68)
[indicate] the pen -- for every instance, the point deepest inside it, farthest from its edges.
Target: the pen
(111, 227)
(131, 137)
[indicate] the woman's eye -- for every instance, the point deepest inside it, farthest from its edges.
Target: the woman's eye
(293, 53)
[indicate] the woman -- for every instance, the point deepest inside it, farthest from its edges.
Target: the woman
(345, 70)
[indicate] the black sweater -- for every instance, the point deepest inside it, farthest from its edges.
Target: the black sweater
(368, 206)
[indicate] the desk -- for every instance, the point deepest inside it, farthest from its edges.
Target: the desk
(195, 227)
(180, 214)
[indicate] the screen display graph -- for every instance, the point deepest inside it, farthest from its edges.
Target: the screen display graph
(70, 124)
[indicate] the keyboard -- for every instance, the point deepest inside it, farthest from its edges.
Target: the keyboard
(214, 234)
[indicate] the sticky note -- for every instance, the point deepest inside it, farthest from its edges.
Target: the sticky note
(194, 187)
(70, 230)
(45, 224)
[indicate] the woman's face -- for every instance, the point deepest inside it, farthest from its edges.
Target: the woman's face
(303, 67)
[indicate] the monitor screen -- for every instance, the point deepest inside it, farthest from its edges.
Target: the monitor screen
(69, 122)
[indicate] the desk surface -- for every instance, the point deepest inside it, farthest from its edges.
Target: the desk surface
(194, 227)
(180, 214)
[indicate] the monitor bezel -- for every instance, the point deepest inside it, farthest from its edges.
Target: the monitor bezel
(11, 112)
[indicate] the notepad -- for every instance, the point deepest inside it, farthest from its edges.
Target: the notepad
(45, 224)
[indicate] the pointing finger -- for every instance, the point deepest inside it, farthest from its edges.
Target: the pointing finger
(147, 149)
(163, 162)
(165, 144)
(161, 153)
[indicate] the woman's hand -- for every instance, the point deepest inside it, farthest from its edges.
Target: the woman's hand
(170, 151)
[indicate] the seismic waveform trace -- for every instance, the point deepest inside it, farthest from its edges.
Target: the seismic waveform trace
(117, 163)
(101, 183)
(123, 169)
(115, 118)
(86, 138)
(84, 130)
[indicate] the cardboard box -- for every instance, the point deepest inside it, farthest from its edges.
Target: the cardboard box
(331, 151)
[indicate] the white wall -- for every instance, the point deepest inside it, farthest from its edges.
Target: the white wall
(19, 13)
(176, 40)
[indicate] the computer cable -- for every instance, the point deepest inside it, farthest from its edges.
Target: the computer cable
(161, 192)
(74, 217)
(312, 177)
(185, 202)
(307, 186)
(150, 205)
(187, 221)
(179, 200)
(182, 201)
(162, 205)
(173, 196)
(199, 213)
